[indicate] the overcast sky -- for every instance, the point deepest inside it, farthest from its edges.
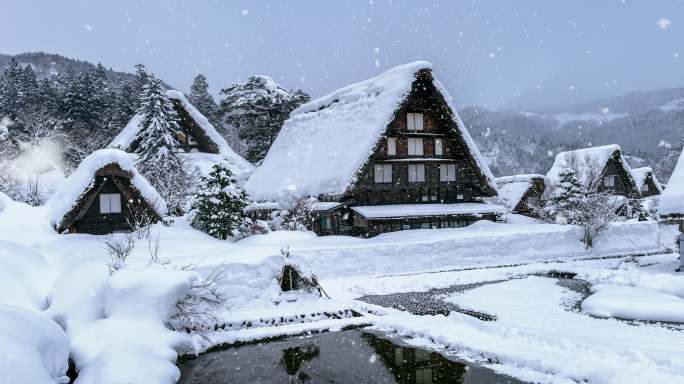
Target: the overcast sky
(529, 53)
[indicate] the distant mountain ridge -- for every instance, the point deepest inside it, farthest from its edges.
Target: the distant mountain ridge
(49, 64)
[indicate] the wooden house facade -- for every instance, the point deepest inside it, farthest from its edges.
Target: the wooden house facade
(418, 169)
(105, 195)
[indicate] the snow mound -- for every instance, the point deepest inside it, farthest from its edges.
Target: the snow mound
(132, 344)
(672, 199)
(240, 167)
(25, 276)
(33, 348)
(586, 157)
(324, 143)
(634, 303)
(80, 180)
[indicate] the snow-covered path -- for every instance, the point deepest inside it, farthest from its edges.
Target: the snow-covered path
(537, 338)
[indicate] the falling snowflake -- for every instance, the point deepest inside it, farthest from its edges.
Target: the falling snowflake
(663, 23)
(492, 55)
(245, 12)
(377, 63)
(88, 27)
(373, 358)
(605, 110)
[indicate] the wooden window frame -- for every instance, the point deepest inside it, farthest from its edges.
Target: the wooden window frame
(382, 173)
(391, 146)
(106, 203)
(439, 149)
(445, 174)
(415, 176)
(416, 146)
(415, 121)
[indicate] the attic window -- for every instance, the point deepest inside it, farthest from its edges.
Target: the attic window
(644, 188)
(609, 181)
(414, 121)
(415, 146)
(110, 203)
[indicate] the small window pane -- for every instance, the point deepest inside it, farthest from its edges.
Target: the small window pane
(447, 172)
(644, 188)
(415, 146)
(416, 173)
(110, 203)
(383, 173)
(438, 147)
(609, 181)
(419, 121)
(533, 201)
(392, 146)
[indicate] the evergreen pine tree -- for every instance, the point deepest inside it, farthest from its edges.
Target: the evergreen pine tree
(566, 197)
(159, 156)
(258, 109)
(9, 90)
(219, 205)
(202, 100)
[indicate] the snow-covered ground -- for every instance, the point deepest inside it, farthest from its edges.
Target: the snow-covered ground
(115, 326)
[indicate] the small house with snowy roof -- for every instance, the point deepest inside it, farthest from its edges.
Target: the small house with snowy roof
(601, 169)
(647, 182)
(105, 194)
(197, 137)
(521, 194)
(385, 154)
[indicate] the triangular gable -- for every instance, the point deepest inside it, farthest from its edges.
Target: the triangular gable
(644, 175)
(325, 143)
(80, 189)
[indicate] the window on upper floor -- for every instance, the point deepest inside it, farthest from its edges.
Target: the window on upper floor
(447, 172)
(609, 181)
(644, 188)
(383, 173)
(439, 150)
(391, 146)
(110, 203)
(416, 173)
(533, 201)
(415, 146)
(414, 121)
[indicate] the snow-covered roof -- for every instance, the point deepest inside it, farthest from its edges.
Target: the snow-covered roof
(69, 193)
(642, 174)
(236, 163)
(512, 188)
(418, 210)
(585, 158)
(322, 206)
(325, 142)
(672, 199)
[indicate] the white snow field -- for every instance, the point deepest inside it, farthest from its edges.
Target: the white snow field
(115, 326)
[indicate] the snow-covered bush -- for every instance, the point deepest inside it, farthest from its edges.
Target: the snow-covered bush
(292, 277)
(118, 247)
(300, 216)
(219, 204)
(196, 308)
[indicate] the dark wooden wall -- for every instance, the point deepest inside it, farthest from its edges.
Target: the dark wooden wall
(437, 123)
(98, 224)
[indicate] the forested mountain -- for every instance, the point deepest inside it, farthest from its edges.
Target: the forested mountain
(648, 125)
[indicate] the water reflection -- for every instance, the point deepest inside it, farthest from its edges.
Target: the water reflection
(338, 357)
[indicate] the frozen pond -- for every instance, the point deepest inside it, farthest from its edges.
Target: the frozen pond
(353, 356)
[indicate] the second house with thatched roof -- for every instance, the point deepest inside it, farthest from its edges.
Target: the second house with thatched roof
(197, 137)
(386, 154)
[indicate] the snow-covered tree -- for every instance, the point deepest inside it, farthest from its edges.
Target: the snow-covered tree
(593, 214)
(159, 157)
(565, 198)
(203, 100)
(219, 204)
(257, 109)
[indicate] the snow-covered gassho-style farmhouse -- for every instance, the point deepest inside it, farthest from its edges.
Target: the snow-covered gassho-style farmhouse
(521, 194)
(203, 145)
(600, 169)
(105, 194)
(386, 154)
(647, 182)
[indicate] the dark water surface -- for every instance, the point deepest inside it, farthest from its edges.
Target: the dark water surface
(353, 356)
